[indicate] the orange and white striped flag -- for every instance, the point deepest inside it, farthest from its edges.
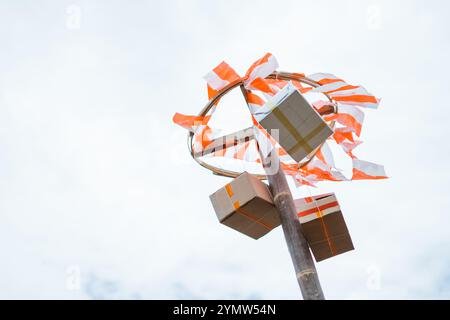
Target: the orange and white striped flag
(349, 116)
(357, 97)
(254, 102)
(258, 71)
(343, 92)
(219, 77)
(319, 171)
(365, 170)
(190, 122)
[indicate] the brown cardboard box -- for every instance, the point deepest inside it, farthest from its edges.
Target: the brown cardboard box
(245, 204)
(324, 226)
(301, 128)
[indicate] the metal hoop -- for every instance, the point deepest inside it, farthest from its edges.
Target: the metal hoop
(287, 76)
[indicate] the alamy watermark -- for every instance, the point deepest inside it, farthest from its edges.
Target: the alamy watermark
(374, 17)
(373, 278)
(73, 17)
(73, 278)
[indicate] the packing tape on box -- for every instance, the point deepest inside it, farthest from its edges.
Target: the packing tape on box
(318, 211)
(310, 136)
(325, 232)
(302, 142)
(241, 211)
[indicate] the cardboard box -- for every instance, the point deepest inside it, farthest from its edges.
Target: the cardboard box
(301, 128)
(324, 226)
(245, 204)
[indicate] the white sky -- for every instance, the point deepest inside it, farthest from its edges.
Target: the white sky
(96, 184)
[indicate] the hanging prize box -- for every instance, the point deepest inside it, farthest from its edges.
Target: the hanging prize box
(324, 226)
(301, 128)
(245, 204)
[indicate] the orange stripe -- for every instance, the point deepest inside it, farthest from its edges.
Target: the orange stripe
(261, 61)
(250, 217)
(211, 92)
(325, 231)
(190, 121)
(300, 87)
(254, 99)
(225, 72)
(327, 81)
(261, 84)
(309, 199)
(360, 175)
(317, 209)
(298, 75)
(320, 156)
(229, 190)
(279, 83)
(347, 87)
(347, 120)
(356, 98)
(340, 135)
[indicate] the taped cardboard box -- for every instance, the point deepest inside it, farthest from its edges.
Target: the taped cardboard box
(245, 204)
(324, 226)
(301, 128)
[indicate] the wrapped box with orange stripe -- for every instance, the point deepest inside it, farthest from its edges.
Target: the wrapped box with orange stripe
(324, 226)
(245, 204)
(300, 128)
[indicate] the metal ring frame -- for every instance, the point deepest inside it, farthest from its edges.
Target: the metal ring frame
(275, 75)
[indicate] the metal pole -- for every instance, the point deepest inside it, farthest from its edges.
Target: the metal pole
(305, 270)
